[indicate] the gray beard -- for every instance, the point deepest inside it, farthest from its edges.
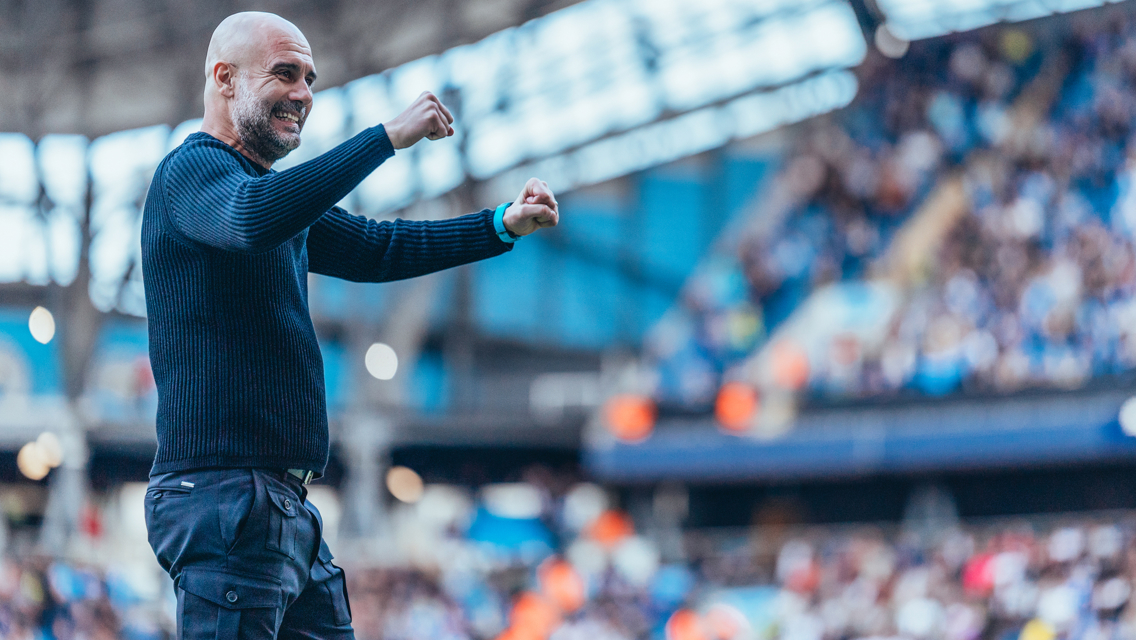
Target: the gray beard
(253, 120)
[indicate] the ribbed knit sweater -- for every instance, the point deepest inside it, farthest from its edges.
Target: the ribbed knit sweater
(226, 250)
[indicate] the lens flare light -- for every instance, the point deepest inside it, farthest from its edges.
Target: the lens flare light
(405, 484)
(50, 449)
(381, 361)
(30, 463)
(42, 325)
(890, 44)
(1127, 416)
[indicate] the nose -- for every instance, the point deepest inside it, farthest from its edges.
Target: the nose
(301, 93)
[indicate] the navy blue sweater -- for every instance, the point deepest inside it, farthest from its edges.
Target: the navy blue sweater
(226, 250)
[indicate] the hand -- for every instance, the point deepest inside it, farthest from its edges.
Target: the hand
(426, 118)
(534, 209)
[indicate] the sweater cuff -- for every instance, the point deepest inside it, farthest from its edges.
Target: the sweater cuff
(488, 215)
(385, 145)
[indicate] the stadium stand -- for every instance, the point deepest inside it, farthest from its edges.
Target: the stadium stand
(983, 182)
(575, 568)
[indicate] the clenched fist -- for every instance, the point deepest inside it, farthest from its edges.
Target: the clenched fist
(426, 118)
(534, 209)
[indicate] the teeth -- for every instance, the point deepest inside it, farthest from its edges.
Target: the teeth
(288, 116)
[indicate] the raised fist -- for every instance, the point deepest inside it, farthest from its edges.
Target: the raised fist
(426, 118)
(534, 209)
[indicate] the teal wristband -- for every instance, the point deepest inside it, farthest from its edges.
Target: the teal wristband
(499, 224)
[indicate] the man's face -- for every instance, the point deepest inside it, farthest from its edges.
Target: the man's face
(273, 98)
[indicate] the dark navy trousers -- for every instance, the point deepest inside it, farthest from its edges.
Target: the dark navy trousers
(245, 550)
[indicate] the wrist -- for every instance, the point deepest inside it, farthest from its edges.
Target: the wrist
(394, 136)
(503, 232)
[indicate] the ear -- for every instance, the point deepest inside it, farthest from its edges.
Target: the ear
(225, 79)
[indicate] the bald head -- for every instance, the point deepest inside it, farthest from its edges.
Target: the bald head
(258, 76)
(246, 36)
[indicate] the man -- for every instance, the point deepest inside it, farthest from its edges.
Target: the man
(227, 245)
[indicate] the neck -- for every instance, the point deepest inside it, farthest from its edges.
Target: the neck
(226, 132)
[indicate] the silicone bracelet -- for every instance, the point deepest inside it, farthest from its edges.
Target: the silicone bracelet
(499, 224)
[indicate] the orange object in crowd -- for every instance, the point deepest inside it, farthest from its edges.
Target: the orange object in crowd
(805, 579)
(630, 417)
(610, 528)
(725, 622)
(561, 584)
(533, 617)
(514, 633)
(736, 406)
(685, 624)
(790, 365)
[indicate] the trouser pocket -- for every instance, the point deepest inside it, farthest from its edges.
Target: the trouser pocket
(221, 605)
(236, 499)
(282, 523)
(171, 521)
(334, 585)
(162, 498)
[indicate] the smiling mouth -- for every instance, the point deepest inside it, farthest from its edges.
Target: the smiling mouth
(284, 116)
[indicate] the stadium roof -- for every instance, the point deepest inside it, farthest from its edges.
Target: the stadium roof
(98, 66)
(918, 19)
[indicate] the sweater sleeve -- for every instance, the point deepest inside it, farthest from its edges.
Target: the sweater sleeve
(216, 202)
(362, 250)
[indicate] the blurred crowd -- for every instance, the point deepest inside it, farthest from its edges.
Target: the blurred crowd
(1024, 580)
(1029, 283)
(44, 599)
(1035, 283)
(519, 562)
(1037, 578)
